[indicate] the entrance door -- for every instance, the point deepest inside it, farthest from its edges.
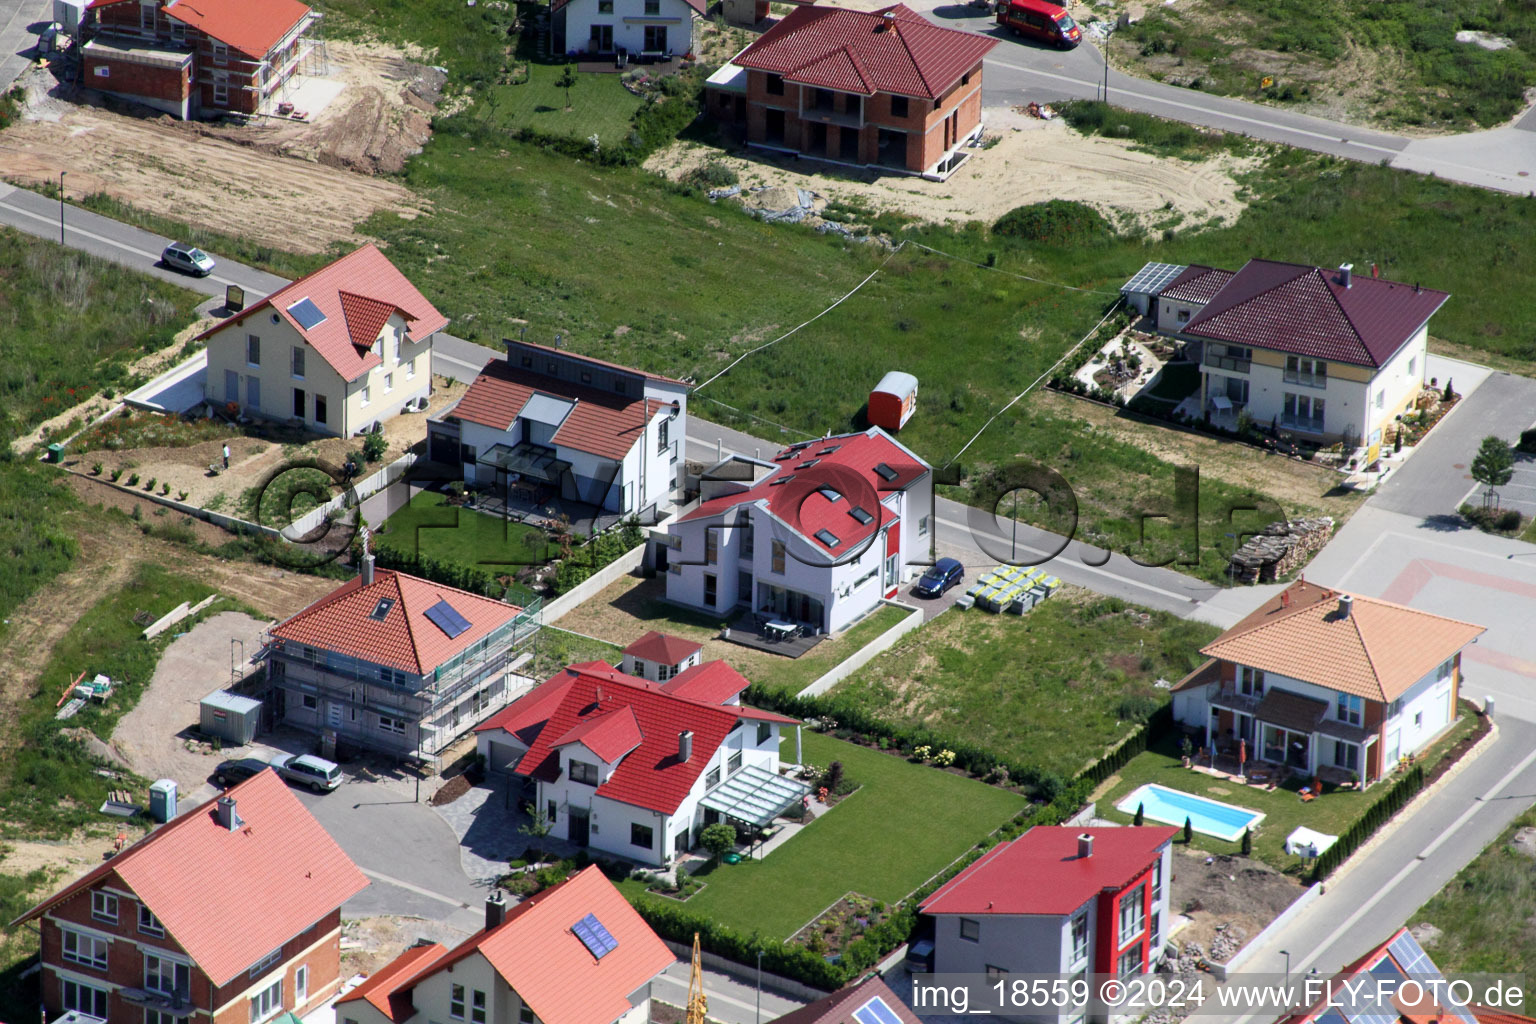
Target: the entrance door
(333, 714)
(253, 392)
(298, 403)
(655, 39)
(580, 827)
(320, 410)
(601, 40)
(680, 843)
(231, 386)
(773, 126)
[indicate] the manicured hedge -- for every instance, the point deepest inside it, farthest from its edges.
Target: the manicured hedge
(449, 574)
(1377, 815)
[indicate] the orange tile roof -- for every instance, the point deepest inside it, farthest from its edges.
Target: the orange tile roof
(1377, 652)
(251, 26)
(839, 1007)
(542, 960)
(1488, 1015)
(352, 292)
(406, 639)
(383, 990)
(599, 423)
(276, 876)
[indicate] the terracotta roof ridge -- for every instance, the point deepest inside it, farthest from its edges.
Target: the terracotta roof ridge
(917, 66)
(858, 67)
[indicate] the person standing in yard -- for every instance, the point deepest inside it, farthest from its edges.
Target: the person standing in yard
(226, 455)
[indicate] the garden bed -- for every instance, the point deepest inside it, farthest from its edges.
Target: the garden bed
(843, 923)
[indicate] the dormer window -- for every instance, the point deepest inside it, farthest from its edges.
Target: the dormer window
(584, 773)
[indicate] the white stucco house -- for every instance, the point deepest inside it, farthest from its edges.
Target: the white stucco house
(637, 29)
(821, 537)
(339, 351)
(1326, 354)
(636, 768)
(1321, 682)
(575, 953)
(554, 424)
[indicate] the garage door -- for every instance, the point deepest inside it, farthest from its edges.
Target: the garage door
(499, 755)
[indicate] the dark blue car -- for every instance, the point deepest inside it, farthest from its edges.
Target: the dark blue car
(942, 575)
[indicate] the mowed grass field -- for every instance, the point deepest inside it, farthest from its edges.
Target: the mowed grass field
(906, 824)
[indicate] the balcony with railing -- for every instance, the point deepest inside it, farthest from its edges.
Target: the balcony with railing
(1231, 364)
(1230, 698)
(1308, 424)
(1306, 380)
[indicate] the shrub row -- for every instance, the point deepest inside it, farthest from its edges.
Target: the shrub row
(1377, 815)
(1074, 386)
(1505, 520)
(476, 581)
(601, 551)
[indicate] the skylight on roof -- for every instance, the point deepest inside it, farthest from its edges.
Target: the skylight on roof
(827, 538)
(781, 480)
(885, 472)
(598, 940)
(829, 493)
(381, 610)
(829, 449)
(808, 463)
(862, 516)
(875, 1012)
(306, 313)
(445, 618)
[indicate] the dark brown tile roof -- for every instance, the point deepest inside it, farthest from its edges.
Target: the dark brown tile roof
(601, 422)
(1196, 284)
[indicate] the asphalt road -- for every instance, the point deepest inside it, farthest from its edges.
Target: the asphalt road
(19, 20)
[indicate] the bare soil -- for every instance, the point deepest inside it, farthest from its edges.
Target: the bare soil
(1032, 161)
(293, 185)
(368, 943)
(1242, 893)
(253, 459)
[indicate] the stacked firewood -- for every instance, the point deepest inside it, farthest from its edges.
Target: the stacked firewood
(1282, 548)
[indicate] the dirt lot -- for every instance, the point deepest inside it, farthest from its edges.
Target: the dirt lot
(1032, 161)
(253, 460)
(369, 943)
(1245, 895)
(200, 173)
(1290, 482)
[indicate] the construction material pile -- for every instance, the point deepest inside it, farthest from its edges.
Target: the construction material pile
(1283, 547)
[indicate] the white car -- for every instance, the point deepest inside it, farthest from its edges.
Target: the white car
(317, 773)
(188, 259)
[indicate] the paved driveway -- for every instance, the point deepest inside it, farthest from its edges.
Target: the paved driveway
(19, 22)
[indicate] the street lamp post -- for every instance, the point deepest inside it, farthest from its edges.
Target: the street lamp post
(1109, 34)
(61, 206)
(1287, 954)
(759, 986)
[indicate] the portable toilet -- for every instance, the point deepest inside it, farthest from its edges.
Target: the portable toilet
(893, 401)
(162, 800)
(230, 717)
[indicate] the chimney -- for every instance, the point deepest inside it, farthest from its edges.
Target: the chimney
(684, 745)
(1285, 599)
(1346, 274)
(228, 819)
(1084, 845)
(495, 909)
(887, 20)
(368, 569)
(1346, 605)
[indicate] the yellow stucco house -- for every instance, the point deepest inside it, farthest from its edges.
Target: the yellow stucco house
(340, 351)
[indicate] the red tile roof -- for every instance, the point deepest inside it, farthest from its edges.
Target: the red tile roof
(847, 463)
(250, 26)
(276, 876)
(1288, 307)
(541, 959)
(1378, 652)
(610, 735)
(892, 50)
(650, 776)
(1196, 284)
(1488, 1015)
(600, 423)
(1041, 873)
(713, 682)
(663, 648)
(406, 639)
(383, 989)
(353, 293)
(839, 1007)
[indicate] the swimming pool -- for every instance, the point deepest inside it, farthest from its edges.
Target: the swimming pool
(1209, 817)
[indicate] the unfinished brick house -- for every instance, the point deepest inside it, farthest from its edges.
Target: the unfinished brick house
(197, 58)
(228, 914)
(879, 88)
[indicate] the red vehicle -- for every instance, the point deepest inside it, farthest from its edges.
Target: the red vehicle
(1037, 19)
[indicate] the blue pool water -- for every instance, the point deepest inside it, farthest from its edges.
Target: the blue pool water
(1208, 817)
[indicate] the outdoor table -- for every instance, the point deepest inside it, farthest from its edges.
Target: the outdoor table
(781, 630)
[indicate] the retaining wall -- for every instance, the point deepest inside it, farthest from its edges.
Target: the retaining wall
(865, 654)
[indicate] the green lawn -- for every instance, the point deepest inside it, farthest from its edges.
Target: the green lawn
(48, 783)
(1053, 689)
(904, 826)
(429, 526)
(1177, 382)
(555, 648)
(1332, 813)
(1487, 914)
(599, 105)
(37, 548)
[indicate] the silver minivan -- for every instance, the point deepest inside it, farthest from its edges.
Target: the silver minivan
(317, 773)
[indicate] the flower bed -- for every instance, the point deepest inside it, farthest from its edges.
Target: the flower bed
(842, 924)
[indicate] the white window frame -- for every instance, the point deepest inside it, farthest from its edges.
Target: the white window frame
(103, 906)
(149, 924)
(96, 949)
(268, 1002)
(970, 929)
(296, 363)
(99, 997)
(456, 1002)
(398, 344)
(252, 348)
(478, 1006)
(158, 973)
(391, 724)
(410, 368)
(364, 396)
(263, 965)
(1078, 936)
(300, 985)
(1349, 709)
(1133, 914)
(389, 383)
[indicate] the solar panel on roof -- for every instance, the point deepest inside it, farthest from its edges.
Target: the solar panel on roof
(827, 538)
(381, 610)
(1153, 278)
(306, 313)
(445, 618)
(863, 517)
(1332, 1017)
(885, 471)
(1405, 949)
(598, 940)
(875, 1012)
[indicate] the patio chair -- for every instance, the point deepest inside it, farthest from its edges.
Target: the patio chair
(1307, 795)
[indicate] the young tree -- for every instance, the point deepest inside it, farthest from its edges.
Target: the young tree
(834, 777)
(566, 81)
(718, 839)
(1189, 831)
(1247, 842)
(1494, 464)
(1141, 816)
(538, 825)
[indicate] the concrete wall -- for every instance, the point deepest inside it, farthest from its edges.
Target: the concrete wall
(362, 490)
(866, 654)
